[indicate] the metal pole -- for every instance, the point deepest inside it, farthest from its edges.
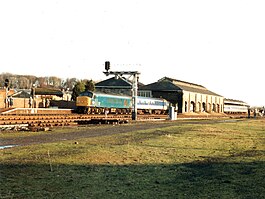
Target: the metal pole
(134, 84)
(6, 98)
(134, 96)
(33, 95)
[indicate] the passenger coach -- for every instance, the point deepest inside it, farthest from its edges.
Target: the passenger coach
(235, 106)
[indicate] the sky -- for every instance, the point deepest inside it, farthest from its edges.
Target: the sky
(217, 44)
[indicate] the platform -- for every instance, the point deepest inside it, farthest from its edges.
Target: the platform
(21, 111)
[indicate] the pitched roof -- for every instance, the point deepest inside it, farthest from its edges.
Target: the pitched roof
(233, 101)
(48, 91)
(169, 84)
(114, 83)
(21, 94)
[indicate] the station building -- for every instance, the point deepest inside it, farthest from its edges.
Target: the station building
(115, 85)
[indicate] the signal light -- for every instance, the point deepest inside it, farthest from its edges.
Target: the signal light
(107, 65)
(6, 83)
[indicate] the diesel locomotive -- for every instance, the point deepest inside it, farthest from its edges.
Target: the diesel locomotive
(99, 103)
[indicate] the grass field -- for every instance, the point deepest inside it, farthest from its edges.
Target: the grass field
(220, 160)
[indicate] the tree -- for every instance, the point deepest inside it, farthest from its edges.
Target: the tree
(69, 83)
(55, 81)
(90, 86)
(24, 83)
(78, 88)
(42, 82)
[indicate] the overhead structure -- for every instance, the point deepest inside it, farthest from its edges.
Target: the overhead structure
(134, 84)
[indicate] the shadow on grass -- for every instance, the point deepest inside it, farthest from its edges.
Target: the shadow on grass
(205, 179)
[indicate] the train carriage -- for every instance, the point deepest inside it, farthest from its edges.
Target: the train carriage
(152, 105)
(232, 106)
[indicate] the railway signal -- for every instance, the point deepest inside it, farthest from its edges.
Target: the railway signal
(107, 65)
(6, 83)
(134, 84)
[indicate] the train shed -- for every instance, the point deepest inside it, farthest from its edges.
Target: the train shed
(185, 96)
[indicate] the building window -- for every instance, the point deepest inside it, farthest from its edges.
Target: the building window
(145, 93)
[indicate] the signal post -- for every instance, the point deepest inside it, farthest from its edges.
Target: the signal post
(134, 84)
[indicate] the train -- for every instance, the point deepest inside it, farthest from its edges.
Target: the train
(232, 106)
(235, 109)
(89, 102)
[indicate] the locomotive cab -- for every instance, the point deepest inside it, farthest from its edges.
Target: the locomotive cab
(84, 101)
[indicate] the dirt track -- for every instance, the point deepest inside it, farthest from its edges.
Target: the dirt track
(94, 131)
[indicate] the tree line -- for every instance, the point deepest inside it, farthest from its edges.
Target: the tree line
(29, 81)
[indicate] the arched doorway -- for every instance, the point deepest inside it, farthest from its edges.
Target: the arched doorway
(218, 108)
(214, 108)
(186, 106)
(203, 107)
(192, 106)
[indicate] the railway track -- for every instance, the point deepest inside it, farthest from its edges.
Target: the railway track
(53, 120)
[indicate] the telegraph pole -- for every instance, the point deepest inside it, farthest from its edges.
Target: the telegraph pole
(134, 84)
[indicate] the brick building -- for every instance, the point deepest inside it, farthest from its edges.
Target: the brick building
(21, 99)
(3, 96)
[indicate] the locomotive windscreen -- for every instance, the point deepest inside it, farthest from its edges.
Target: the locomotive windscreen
(87, 93)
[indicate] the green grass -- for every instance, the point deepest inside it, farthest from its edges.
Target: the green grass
(223, 160)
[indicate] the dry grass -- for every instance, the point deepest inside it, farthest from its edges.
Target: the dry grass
(219, 160)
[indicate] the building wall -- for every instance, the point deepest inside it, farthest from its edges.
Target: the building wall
(3, 97)
(20, 103)
(197, 102)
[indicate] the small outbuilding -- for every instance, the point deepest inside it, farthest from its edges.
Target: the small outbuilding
(21, 99)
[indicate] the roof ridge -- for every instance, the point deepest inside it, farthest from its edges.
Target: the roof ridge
(181, 81)
(175, 81)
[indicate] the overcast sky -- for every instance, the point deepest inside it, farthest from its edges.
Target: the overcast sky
(218, 44)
